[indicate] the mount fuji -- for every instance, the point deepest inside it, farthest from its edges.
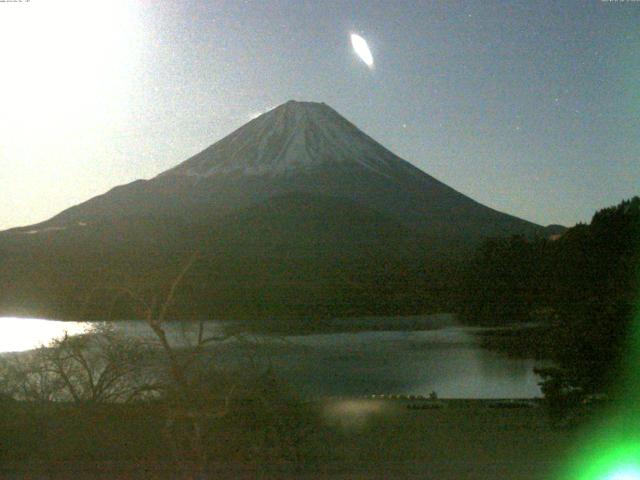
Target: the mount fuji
(298, 213)
(300, 148)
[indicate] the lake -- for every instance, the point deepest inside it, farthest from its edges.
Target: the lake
(447, 359)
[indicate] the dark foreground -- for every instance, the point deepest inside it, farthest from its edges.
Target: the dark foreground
(340, 438)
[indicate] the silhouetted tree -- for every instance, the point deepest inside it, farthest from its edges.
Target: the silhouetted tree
(98, 366)
(586, 282)
(505, 280)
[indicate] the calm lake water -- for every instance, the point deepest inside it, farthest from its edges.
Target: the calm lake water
(447, 360)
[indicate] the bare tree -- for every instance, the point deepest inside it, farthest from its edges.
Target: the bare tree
(99, 366)
(189, 392)
(27, 376)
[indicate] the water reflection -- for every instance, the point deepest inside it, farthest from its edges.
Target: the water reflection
(21, 334)
(446, 360)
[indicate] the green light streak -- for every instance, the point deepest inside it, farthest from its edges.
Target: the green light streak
(621, 461)
(610, 450)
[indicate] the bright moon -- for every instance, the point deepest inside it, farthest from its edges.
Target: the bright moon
(362, 49)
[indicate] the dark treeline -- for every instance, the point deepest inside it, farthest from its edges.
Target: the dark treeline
(582, 284)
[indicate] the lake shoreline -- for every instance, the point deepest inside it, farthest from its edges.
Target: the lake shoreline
(419, 356)
(301, 326)
(312, 326)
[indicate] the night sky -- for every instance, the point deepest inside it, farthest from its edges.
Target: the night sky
(530, 107)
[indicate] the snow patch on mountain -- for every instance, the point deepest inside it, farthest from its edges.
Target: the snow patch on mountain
(292, 137)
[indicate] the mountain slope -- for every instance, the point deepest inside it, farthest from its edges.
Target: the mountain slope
(293, 255)
(296, 213)
(300, 147)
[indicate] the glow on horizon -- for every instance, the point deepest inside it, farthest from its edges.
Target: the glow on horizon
(361, 48)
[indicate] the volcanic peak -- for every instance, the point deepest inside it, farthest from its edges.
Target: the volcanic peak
(292, 137)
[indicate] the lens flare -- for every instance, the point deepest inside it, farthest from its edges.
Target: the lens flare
(362, 49)
(620, 461)
(610, 449)
(630, 473)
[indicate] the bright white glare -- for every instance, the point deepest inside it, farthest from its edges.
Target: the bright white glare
(362, 49)
(65, 64)
(21, 334)
(69, 73)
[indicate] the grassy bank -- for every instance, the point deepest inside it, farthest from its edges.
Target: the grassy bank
(346, 438)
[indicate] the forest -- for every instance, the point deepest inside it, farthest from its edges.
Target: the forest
(580, 287)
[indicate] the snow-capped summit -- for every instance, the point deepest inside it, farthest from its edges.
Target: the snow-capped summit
(291, 137)
(299, 148)
(298, 212)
